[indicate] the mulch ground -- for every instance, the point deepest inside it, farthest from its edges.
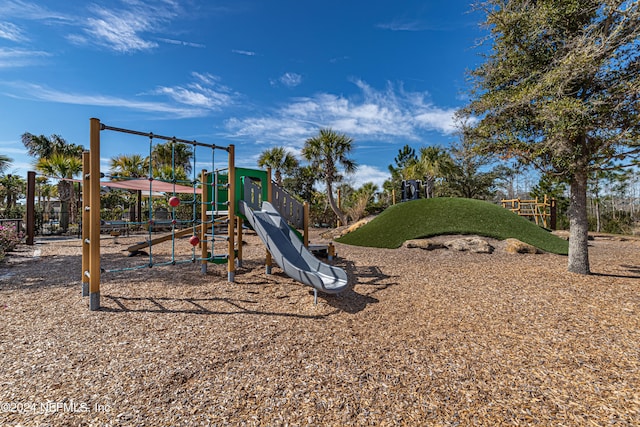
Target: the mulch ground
(421, 337)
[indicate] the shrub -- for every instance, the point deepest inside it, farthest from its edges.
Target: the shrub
(9, 239)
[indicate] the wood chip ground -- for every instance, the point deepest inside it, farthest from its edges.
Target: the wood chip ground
(438, 338)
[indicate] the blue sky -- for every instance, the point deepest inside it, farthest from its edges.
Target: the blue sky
(256, 74)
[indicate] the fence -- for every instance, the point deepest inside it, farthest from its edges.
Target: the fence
(16, 223)
(542, 212)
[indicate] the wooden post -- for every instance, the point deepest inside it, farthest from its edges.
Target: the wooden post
(204, 223)
(231, 198)
(94, 215)
(393, 196)
(31, 210)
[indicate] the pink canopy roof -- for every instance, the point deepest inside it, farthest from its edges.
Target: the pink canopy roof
(155, 185)
(143, 184)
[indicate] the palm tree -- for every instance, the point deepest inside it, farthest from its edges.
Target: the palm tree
(133, 166)
(62, 167)
(169, 173)
(172, 154)
(361, 200)
(326, 152)
(45, 191)
(43, 147)
(41, 181)
(387, 194)
(12, 187)
(406, 156)
(433, 163)
(280, 160)
(368, 189)
(5, 161)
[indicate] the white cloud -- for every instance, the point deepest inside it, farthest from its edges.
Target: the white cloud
(339, 59)
(196, 96)
(270, 130)
(10, 148)
(29, 10)
(367, 173)
(206, 92)
(398, 25)
(437, 119)
(11, 32)
(122, 30)
(33, 91)
(20, 168)
(131, 28)
(291, 79)
(13, 58)
(372, 114)
(194, 99)
(20, 160)
(243, 52)
(206, 78)
(182, 43)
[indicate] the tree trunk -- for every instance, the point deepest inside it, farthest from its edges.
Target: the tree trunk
(64, 216)
(578, 225)
(334, 206)
(72, 204)
(429, 184)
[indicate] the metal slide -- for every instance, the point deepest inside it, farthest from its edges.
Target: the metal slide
(289, 252)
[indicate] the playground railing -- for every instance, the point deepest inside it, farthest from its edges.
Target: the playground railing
(542, 212)
(288, 206)
(17, 223)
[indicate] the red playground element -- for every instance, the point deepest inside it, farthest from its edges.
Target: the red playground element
(174, 201)
(194, 240)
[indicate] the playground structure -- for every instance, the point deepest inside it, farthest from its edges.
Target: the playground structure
(290, 253)
(91, 268)
(410, 189)
(543, 212)
(215, 199)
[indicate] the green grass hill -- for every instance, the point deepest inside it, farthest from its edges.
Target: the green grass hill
(438, 216)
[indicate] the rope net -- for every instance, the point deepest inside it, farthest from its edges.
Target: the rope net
(174, 204)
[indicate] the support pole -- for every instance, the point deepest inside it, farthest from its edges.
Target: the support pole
(339, 202)
(31, 210)
(239, 242)
(231, 264)
(204, 223)
(305, 222)
(94, 216)
(139, 206)
(86, 194)
(269, 261)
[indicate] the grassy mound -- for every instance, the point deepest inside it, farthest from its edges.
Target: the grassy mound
(433, 217)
